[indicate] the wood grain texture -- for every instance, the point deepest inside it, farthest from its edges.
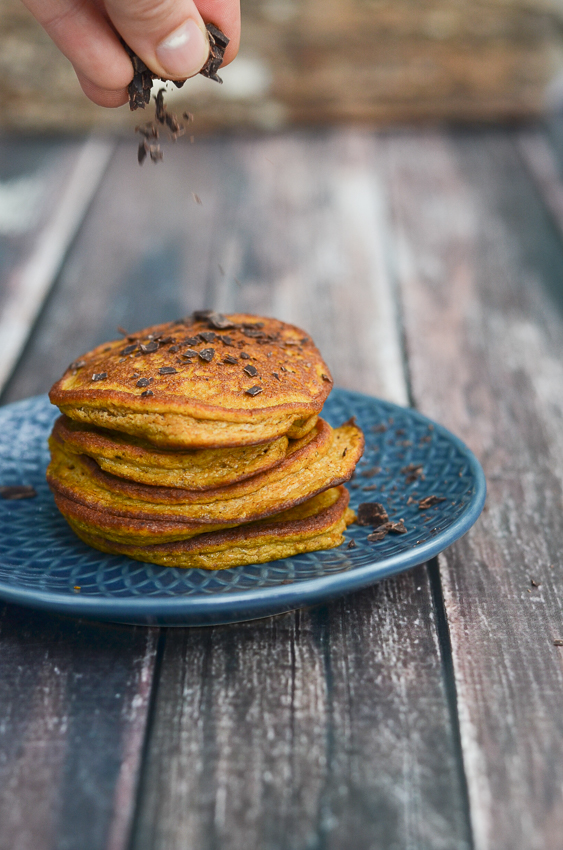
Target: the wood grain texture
(73, 711)
(480, 270)
(303, 730)
(41, 209)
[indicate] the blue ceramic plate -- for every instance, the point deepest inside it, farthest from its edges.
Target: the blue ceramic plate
(44, 565)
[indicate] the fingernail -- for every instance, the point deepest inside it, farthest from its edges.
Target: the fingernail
(184, 52)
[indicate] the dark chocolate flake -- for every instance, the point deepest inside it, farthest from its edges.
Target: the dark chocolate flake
(429, 502)
(253, 390)
(129, 349)
(207, 354)
(18, 491)
(189, 353)
(558, 642)
(276, 376)
(226, 340)
(150, 347)
(230, 359)
(207, 336)
(78, 364)
(167, 370)
(174, 348)
(144, 382)
(219, 321)
(352, 544)
(251, 370)
(147, 393)
(99, 376)
(191, 340)
(372, 513)
(326, 378)
(245, 356)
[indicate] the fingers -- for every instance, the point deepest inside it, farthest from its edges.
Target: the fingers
(87, 39)
(102, 97)
(169, 35)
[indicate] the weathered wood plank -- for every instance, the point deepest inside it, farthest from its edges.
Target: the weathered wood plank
(480, 269)
(308, 729)
(73, 712)
(41, 210)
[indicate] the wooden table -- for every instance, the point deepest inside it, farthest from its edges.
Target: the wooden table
(423, 712)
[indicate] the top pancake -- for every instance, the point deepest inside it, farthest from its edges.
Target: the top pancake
(195, 377)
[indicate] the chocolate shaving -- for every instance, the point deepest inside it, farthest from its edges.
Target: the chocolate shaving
(253, 390)
(207, 354)
(191, 340)
(139, 91)
(276, 376)
(326, 378)
(383, 531)
(352, 544)
(150, 347)
(413, 472)
(226, 340)
(189, 353)
(245, 356)
(129, 349)
(147, 393)
(429, 502)
(207, 336)
(251, 370)
(144, 382)
(167, 370)
(230, 359)
(18, 491)
(372, 513)
(78, 364)
(370, 472)
(99, 376)
(219, 321)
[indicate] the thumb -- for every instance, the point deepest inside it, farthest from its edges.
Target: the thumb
(168, 35)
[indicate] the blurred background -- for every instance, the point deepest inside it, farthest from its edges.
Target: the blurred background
(305, 62)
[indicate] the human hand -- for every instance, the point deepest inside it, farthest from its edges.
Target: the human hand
(168, 35)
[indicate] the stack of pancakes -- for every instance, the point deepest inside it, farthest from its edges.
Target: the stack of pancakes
(198, 444)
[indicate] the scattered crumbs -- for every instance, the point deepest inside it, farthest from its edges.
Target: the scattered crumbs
(197, 199)
(369, 487)
(429, 502)
(413, 472)
(535, 583)
(352, 545)
(18, 491)
(379, 429)
(400, 432)
(370, 472)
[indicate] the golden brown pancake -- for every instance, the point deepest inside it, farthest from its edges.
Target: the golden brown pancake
(315, 524)
(207, 381)
(130, 512)
(192, 469)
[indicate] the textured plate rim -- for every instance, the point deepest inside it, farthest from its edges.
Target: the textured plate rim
(238, 606)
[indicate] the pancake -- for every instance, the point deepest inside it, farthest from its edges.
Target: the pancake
(208, 381)
(195, 469)
(130, 512)
(316, 524)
